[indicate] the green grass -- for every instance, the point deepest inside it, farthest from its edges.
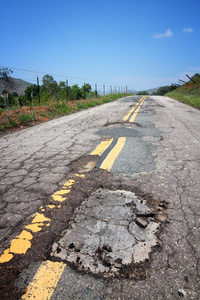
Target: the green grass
(26, 119)
(56, 109)
(188, 93)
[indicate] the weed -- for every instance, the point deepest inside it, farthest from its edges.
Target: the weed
(26, 119)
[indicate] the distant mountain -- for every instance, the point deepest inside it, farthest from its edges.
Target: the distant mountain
(150, 91)
(19, 86)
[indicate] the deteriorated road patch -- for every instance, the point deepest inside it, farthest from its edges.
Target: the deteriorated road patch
(114, 230)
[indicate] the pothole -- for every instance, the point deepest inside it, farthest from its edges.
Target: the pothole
(120, 124)
(112, 234)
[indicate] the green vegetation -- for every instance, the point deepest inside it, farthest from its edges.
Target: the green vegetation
(53, 108)
(163, 90)
(188, 93)
(143, 93)
(26, 119)
(42, 103)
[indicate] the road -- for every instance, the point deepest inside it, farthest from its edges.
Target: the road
(103, 204)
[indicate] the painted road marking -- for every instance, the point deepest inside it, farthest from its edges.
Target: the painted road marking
(132, 119)
(133, 112)
(99, 150)
(110, 158)
(45, 281)
(22, 243)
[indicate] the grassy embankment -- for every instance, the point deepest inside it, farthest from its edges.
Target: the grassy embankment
(27, 116)
(188, 93)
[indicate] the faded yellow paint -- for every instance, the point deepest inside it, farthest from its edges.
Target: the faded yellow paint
(22, 243)
(51, 206)
(58, 198)
(44, 281)
(101, 147)
(80, 175)
(62, 192)
(69, 183)
(34, 227)
(40, 218)
(6, 256)
(110, 159)
(26, 235)
(19, 246)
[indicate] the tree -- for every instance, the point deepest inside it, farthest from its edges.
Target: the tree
(49, 86)
(5, 74)
(62, 90)
(164, 90)
(4, 92)
(15, 94)
(86, 89)
(143, 93)
(75, 92)
(32, 90)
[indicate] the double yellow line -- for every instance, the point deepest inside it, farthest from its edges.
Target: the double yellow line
(134, 111)
(112, 155)
(114, 152)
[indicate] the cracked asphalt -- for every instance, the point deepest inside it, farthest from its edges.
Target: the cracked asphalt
(158, 165)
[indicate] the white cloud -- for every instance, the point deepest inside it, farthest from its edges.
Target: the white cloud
(188, 29)
(167, 33)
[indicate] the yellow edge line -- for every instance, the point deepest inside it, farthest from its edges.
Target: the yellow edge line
(44, 281)
(101, 147)
(109, 160)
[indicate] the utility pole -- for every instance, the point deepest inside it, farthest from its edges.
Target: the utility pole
(67, 88)
(84, 91)
(96, 90)
(190, 78)
(182, 81)
(38, 84)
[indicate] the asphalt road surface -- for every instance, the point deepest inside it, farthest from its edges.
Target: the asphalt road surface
(103, 204)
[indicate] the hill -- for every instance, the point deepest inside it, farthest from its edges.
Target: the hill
(188, 93)
(149, 91)
(19, 86)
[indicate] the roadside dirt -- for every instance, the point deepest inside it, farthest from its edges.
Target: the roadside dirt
(42, 114)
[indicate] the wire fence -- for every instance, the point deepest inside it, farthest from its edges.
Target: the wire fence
(101, 87)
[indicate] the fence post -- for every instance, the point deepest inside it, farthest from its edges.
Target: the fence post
(38, 84)
(67, 88)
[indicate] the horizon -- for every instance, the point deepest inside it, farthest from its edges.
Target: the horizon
(139, 46)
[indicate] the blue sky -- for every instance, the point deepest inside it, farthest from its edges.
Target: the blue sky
(141, 44)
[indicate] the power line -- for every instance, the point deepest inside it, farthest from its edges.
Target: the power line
(45, 73)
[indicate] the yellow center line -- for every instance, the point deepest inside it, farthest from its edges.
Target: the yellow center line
(45, 281)
(101, 147)
(132, 119)
(109, 160)
(130, 112)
